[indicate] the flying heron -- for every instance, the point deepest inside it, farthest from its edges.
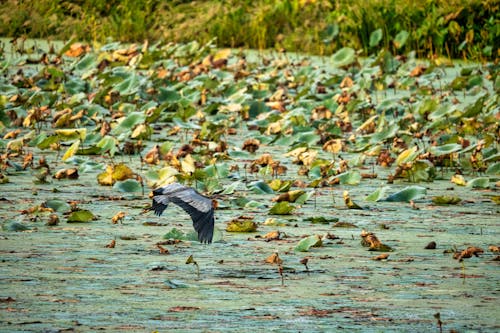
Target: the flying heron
(199, 207)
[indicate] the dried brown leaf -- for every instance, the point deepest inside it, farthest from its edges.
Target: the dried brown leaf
(274, 259)
(111, 244)
(118, 217)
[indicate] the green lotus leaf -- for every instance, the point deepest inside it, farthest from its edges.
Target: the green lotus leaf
(128, 185)
(407, 194)
(306, 243)
(81, 216)
(400, 39)
(344, 57)
(282, 208)
(375, 37)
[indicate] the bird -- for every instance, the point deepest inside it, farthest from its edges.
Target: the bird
(199, 207)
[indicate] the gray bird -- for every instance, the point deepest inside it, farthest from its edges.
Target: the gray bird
(199, 207)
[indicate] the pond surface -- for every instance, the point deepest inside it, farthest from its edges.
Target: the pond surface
(63, 278)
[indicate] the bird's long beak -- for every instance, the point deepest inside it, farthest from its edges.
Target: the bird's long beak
(151, 195)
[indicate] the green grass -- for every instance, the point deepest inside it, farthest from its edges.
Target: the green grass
(468, 29)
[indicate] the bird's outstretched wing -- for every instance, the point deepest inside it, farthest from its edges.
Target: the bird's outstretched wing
(199, 207)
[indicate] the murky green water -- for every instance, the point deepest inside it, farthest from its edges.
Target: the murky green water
(63, 279)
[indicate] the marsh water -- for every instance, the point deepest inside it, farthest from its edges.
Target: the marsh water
(63, 278)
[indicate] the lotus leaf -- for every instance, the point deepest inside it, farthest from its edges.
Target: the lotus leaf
(81, 216)
(306, 243)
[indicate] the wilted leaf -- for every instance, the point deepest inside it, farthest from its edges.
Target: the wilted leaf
(241, 224)
(468, 253)
(12, 134)
(274, 259)
(321, 220)
(118, 217)
(289, 196)
(71, 150)
(71, 173)
(251, 145)
(306, 243)
(279, 185)
(494, 248)
(273, 235)
(446, 200)
(282, 208)
(115, 173)
(408, 155)
(187, 165)
(348, 201)
(431, 246)
(333, 146)
(71, 134)
(344, 225)
(382, 256)
(75, 50)
(459, 180)
(141, 131)
(407, 194)
(418, 71)
(271, 221)
(53, 220)
(3, 179)
(368, 239)
(81, 216)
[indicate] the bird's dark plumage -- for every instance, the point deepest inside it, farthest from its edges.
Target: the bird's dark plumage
(199, 207)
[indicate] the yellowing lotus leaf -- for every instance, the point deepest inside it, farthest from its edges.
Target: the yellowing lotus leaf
(115, 173)
(71, 150)
(459, 180)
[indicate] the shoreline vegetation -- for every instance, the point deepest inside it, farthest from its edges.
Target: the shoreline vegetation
(459, 29)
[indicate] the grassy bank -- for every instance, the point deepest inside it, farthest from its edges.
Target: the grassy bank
(454, 28)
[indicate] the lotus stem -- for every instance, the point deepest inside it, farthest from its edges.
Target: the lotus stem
(463, 272)
(280, 270)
